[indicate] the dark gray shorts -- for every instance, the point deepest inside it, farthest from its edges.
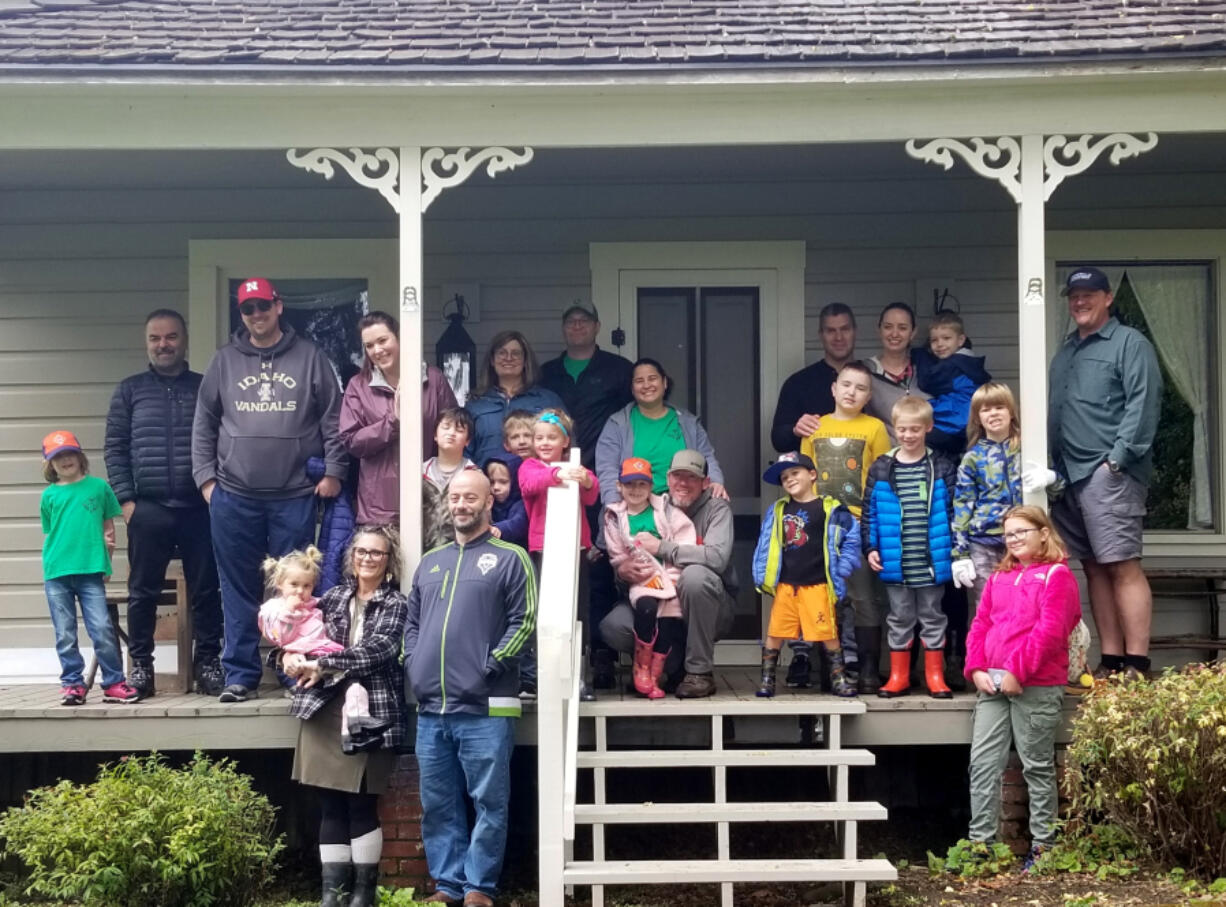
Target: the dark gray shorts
(1100, 517)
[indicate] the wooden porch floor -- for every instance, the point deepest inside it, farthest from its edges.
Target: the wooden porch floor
(32, 720)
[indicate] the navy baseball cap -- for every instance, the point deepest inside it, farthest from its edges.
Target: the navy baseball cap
(1086, 279)
(774, 473)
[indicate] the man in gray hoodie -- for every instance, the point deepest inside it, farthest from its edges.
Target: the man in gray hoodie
(268, 402)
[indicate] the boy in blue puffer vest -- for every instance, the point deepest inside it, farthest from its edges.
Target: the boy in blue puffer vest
(808, 546)
(906, 536)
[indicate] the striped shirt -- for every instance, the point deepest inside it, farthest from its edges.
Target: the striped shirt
(911, 485)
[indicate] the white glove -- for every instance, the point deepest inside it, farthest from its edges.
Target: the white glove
(1036, 477)
(964, 573)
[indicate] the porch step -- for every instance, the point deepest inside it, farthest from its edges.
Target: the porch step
(705, 708)
(731, 758)
(663, 872)
(690, 813)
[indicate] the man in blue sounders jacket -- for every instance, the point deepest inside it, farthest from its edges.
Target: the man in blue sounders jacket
(471, 612)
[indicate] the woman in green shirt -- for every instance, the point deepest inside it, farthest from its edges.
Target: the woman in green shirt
(654, 429)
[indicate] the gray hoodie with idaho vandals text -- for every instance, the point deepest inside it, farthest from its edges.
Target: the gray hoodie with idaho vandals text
(262, 412)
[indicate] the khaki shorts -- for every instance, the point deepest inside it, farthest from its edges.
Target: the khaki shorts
(802, 609)
(1100, 518)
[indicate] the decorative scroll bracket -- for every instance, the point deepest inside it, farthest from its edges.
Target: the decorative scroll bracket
(380, 169)
(1062, 158)
(1000, 160)
(441, 170)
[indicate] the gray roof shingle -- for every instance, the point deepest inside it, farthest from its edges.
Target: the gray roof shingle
(574, 34)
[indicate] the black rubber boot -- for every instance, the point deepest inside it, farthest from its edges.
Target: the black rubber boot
(868, 642)
(337, 883)
(365, 885)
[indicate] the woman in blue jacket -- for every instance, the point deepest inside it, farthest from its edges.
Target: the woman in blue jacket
(511, 382)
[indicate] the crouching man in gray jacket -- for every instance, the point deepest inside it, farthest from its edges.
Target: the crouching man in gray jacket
(471, 610)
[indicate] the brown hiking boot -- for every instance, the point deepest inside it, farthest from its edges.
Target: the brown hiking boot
(696, 686)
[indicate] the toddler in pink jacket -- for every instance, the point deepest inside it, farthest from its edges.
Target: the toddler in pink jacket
(1017, 658)
(658, 625)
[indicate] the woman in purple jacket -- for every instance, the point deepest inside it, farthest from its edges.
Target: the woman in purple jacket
(370, 417)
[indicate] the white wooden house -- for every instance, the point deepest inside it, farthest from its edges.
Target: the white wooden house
(709, 175)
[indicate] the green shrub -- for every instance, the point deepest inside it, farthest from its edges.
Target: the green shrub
(1150, 758)
(973, 859)
(148, 834)
(1102, 849)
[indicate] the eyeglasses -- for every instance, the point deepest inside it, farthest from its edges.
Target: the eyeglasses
(369, 554)
(577, 320)
(509, 354)
(248, 308)
(1018, 534)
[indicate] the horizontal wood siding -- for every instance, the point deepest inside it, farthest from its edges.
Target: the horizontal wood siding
(89, 243)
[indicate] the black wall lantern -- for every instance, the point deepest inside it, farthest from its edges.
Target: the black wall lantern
(457, 354)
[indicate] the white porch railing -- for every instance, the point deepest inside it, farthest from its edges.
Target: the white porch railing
(559, 647)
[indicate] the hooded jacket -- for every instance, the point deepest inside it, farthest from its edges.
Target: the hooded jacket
(671, 524)
(951, 382)
(509, 517)
(262, 413)
(1023, 624)
(712, 519)
(535, 479)
(881, 520)
(842, 547)
(617, 443)
(471, 613)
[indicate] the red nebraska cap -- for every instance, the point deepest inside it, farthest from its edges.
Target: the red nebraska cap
(256, 288)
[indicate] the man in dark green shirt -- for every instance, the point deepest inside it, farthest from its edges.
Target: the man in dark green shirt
(1105, 392)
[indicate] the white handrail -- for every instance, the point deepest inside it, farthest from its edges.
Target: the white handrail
(557, 684)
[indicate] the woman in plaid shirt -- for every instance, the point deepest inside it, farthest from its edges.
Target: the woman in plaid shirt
(366, 614)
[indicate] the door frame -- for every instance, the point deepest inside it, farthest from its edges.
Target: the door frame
(777, 269)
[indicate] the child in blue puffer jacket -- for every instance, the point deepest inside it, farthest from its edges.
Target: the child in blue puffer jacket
(906, 536)
(509, 519)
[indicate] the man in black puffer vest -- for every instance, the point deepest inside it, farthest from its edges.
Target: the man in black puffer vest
(149, 463)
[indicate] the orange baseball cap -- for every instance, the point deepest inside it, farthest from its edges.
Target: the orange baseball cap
(58, 442)
(635, 468)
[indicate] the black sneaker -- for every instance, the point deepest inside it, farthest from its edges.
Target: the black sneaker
(210, 678)
(141, 678)
(236, 692)
(799, 676)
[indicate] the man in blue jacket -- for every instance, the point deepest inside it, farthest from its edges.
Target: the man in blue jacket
(471, 612)
(148, 452)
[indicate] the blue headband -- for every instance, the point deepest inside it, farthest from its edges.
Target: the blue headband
(552, 419)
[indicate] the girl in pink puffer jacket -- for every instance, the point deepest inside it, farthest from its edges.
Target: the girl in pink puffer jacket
(1017, 658)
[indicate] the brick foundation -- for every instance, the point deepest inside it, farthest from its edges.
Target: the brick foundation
(1015, 803)
(404, 857)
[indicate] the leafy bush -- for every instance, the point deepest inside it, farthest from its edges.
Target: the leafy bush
(148, 834)
(1103, 849)
(973, 859)
(1150, 758)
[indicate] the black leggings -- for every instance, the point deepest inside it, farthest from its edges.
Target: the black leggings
(344, 816)
(668, 632)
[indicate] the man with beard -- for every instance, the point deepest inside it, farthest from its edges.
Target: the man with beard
(471, 611)
(148, 453)
(708, 583)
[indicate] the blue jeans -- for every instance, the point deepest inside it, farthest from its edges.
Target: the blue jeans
(245, 531)
(89, 589)
(458, 753)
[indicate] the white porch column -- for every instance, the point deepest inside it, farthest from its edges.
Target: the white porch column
(1031, 310)
(411, 357)
(1030, 171)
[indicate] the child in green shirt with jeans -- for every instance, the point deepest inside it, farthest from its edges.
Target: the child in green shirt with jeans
(78, 518)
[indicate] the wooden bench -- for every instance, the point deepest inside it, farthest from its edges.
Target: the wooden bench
(1214, 579)
(174, 594)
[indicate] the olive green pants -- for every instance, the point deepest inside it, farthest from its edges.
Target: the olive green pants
(1029, 722)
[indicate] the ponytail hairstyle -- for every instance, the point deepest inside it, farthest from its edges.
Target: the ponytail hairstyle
(277, 568)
